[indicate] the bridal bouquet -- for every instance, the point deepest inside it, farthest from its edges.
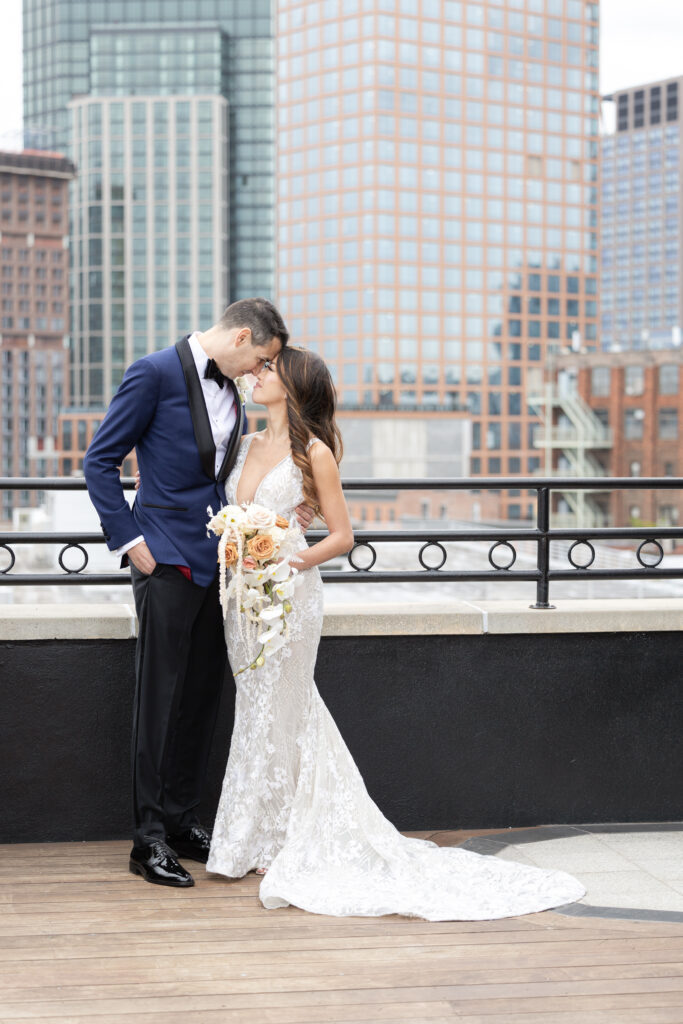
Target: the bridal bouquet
(256, 545)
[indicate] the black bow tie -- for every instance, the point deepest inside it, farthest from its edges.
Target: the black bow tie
(213, 373)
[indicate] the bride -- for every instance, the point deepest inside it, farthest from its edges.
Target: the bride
(294, 807)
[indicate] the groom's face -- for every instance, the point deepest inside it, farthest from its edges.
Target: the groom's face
(252, 358)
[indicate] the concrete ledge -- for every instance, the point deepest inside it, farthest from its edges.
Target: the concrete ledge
(656, 614)
(68, 622)
(402, 619)
(117, 621)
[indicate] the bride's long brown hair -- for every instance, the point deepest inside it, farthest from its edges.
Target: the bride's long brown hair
(310, 409)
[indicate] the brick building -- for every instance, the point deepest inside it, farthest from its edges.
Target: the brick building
(636, 397)
(34, 319)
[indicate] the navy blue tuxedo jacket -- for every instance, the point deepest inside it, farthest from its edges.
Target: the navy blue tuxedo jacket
(160, 411)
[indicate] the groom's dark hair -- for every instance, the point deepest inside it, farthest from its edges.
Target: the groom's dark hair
(260, 316)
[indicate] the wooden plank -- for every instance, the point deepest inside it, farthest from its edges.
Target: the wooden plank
(650, 1015)
(350, 949)
(125, 1004)
(82, 941)
(243, 977)
(195, 941)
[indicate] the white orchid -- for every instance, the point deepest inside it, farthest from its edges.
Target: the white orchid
(271, 614)
(284, 590)
(275, 644)
(281, 572)
(270, 634)
(255, 577)
(256, 599)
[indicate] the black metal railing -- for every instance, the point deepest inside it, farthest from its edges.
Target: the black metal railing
(646, 563)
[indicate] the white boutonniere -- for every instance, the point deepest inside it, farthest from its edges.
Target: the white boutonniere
(244, 388)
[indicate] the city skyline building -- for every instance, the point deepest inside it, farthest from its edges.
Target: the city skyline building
(437, 207)
(641, 293)
(123, 47)
(34, 323)
(177, 58)
(149, 230)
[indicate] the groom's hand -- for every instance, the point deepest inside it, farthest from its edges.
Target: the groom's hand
(142, 558)
(305, 516)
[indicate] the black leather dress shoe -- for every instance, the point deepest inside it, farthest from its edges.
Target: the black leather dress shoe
(193, 843)
(157, 863)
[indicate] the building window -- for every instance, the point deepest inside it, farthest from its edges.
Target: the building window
(668, 424)
(633, 424)
(600, 380)
(634, 380)
(672, 101)
(668, 379)
(656, 104)
(668, 515)
(634, 469)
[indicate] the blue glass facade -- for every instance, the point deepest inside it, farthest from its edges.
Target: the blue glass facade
(75, 49)
(641, 298)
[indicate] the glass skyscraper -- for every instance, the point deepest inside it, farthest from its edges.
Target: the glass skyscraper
(641, 298)
(215, 59)
(437, 208)
(149, 229)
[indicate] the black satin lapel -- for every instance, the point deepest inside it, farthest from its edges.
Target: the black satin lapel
(200, 417)
(235, 437)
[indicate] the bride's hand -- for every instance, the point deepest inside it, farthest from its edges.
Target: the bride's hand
(137, 481)
(305, 515)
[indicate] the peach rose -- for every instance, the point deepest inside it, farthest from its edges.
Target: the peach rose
(230, 554)
(261, 548)
(282, 522)
(249, 562)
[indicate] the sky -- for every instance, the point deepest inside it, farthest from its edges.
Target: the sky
(640, 42)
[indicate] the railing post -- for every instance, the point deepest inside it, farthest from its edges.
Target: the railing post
(543, 547)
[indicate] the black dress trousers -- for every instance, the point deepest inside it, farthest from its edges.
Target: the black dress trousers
(180, 666)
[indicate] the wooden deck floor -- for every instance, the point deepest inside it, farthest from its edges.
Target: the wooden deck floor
(83, 941)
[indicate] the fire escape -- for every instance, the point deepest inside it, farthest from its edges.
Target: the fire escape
(571, 435)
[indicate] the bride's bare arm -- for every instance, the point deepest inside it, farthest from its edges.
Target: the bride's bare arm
(333, 507)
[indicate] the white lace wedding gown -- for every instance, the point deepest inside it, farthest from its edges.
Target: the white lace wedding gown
(293, 800)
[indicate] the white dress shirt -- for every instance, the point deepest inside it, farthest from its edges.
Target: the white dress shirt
(222, 411)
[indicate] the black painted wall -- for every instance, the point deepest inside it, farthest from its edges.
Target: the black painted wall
(448, 731)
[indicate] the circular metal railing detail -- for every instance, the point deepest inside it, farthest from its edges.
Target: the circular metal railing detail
(362, 568)
(13, 558)
(657, 557)
(433, 544)
(502, 544)
(591, 554)
(78, 547)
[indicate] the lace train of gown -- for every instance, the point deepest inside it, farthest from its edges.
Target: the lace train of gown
(294, 802)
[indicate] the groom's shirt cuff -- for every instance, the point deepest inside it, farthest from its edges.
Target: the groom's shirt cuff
(126, 547)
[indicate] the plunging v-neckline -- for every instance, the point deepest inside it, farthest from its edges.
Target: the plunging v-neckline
(263, 478)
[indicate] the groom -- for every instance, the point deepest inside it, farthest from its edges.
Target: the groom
(180, 409)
